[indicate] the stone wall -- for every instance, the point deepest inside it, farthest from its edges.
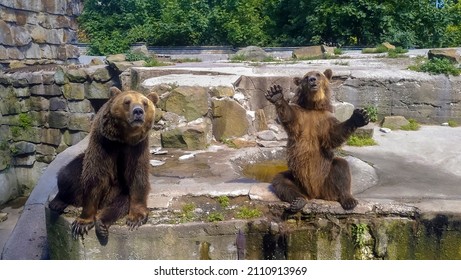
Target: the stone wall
(41, 114)
(39, 31)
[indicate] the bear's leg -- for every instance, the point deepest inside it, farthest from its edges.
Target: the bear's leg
(90, 203)
(109, 215)
(69, 186)
(57, 204)
(287, 189)
(338, 184)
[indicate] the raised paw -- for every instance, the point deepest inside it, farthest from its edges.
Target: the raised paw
(348, 203)
(81, 227)
(297, 204)
(274, 94)
(360, 117)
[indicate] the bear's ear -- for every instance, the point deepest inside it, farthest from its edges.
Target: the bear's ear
(328, 73)
(153, 96)
(297, 80)
(114, 91)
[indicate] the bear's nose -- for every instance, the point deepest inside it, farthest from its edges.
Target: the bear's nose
(138, 111)
(312, 80)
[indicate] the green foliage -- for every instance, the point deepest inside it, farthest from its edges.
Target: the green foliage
(15, 131)
(372, 112)
(248, 213)
(397, 52)
(224, 201)
(215, 217)
(452, 123)
(412, 125)
(153, 62)
(359, 141)
(358, 234)
(111, 26)
(4, 146)
(187, 213)
(229, 143)
(132, 56)
(440, 66)
(435, 66)
(25, 121)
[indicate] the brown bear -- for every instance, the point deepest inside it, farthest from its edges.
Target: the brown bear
(111, 178)
(313, 134)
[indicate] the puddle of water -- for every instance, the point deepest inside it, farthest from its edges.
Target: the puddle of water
(265, 171)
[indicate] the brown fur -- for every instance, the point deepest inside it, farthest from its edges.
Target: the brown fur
(111, 178)
(313, 134)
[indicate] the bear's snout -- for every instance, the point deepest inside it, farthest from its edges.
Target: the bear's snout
(137, 114)
(138, 111)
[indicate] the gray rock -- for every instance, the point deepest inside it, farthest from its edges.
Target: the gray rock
(266, 135)
(188, 101)
(450, 54)
(394, 122)
(8, 185)
(343, 110)
(23, 148)
(229, 119)
(252, 53)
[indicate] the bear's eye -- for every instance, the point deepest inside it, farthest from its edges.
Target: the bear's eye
(127, 101)
(144, 102)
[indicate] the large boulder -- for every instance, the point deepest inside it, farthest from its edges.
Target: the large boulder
(229, 119)
(252, 53)
(450, 54)
(188, 101)
(193, 136)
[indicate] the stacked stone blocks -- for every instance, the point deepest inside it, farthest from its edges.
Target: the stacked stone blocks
(42, 113)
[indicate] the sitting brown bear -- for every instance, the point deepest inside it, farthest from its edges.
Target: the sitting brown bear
(111, 178)
(313, 134)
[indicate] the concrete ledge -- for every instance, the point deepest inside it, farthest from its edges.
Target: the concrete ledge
(29, 241)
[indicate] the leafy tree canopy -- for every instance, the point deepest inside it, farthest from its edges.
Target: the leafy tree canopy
(112, 25)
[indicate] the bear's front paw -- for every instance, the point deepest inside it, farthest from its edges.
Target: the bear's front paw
(348, 203)
(81, 226)
(137, 218)
(297, 204)
(274, 94)
(360, 117)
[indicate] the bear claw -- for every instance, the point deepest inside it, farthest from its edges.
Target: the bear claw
(297, 204)
(80, 228)
(349, 203)
(274, 94)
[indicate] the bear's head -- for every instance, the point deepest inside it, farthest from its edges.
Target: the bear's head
(130, 115)
(313, 90)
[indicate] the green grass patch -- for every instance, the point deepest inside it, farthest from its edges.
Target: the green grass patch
(224, 201)
(187, 59)
(187, 213)
(411, 126)
(360, 141)
(25, 121)
(215, 217)
(149, 61)
(229, 143)
(452, 123)
(435, 66)
(248, 213)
